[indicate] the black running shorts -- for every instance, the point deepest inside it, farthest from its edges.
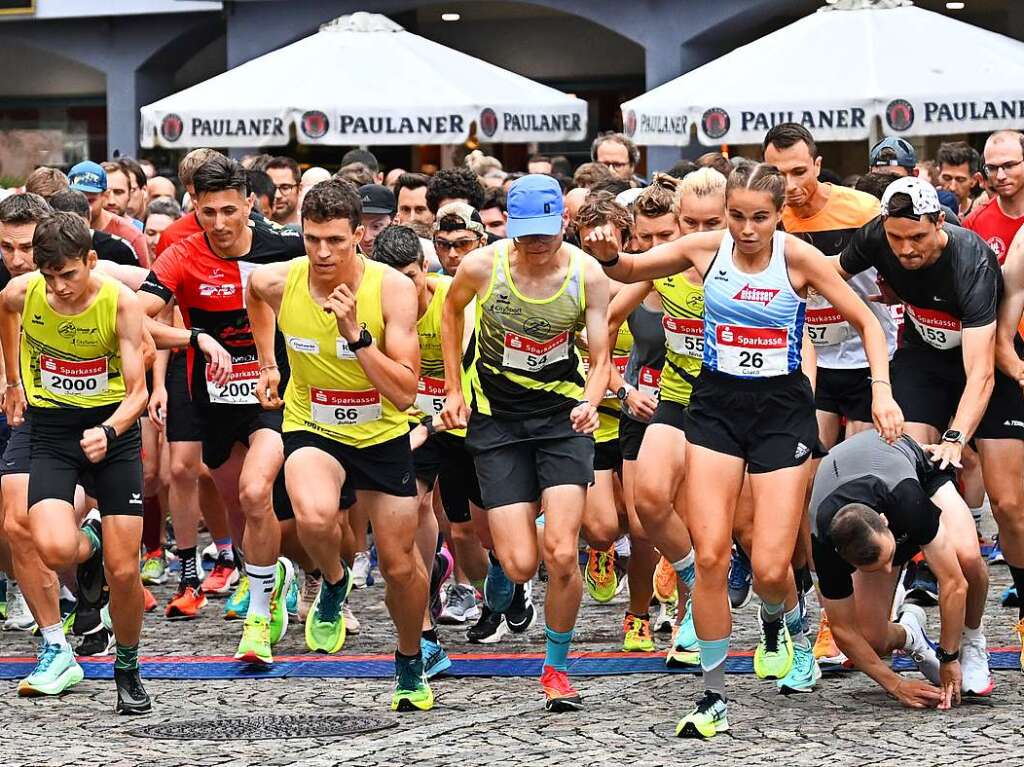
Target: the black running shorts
(386, 467)
(631, 436)
(845, 392)
(671, 414)
(444, 459)
(184, 422)
(608, 456)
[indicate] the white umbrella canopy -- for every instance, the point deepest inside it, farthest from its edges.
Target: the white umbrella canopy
(362, 79)
(836, 71)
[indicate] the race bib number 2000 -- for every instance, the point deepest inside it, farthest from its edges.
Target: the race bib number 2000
(85, 378)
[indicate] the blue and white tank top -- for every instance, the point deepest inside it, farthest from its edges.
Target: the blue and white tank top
(753, 323)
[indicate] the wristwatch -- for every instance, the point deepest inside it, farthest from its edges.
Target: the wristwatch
(110, 431)
(947, 657)
(364, 340)
(623, 391)
(952, 435)
(193, 339)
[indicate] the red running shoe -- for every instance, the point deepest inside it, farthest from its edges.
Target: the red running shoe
(561, 696)
(186, 603)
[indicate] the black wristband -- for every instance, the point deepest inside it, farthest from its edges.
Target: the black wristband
(193, 340)
(110, 431)
(427, 422)
(947, 657)
(608, 264)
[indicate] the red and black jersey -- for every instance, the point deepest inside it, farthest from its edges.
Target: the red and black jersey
(210, 292)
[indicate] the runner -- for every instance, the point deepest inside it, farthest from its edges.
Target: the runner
(84, 387)
(999, 220)
(532, 408)
(751, 387)
(354, 360)
(206, 275)
(873, 507)
(943, 373)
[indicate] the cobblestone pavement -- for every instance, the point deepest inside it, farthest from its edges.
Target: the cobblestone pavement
(501, 721)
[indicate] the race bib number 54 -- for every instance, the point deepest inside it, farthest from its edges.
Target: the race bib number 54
(430, 395)
(85, 378)
(524, 353)
(240, 388)
(752, 352)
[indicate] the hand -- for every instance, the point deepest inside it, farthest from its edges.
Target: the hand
(584, 418)
(267, 388)
(14, 405)
(455, 413)
(641, 404)
(343, 303)
(218, 361)
(886, 413)
(945, 454)
(885, 294)
(94, 444)
(913, 693)
(950, 677)
(157, 407)
(1018, 376)
(603, 243)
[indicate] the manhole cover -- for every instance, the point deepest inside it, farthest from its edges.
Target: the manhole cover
(270, 727)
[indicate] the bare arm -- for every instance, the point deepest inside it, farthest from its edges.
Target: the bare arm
(942, 561)
(12, 302)
(1010, 309)
(394, 367)
(167, 336)
(596, 320)
(471, 278)
(262, 302)
(662, 261)
(129, 332)
(979, 364)
(132, 276)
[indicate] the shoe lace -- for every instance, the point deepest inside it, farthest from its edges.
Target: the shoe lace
(643, 628)
(47, 655)
(771, 630)
(409, 677)
(708, 702)
(133, 684)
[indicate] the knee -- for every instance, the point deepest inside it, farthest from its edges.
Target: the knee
(311, 520)
(600, 533)
(652, 503)
(463, 534)
(183, 469)
(771, 576)
(712, 565)
(397, 568)
(561, 558)
(254, 495)
(1008, 508)
(121, 576)
(58, 555)
(520, 567)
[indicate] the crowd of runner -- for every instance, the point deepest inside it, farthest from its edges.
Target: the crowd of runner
(741, 378)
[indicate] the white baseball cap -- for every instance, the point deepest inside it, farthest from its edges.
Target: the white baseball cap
(921, 193)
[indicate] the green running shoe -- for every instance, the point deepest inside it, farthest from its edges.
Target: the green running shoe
(237, 606)
(255, 645)
(56, 671)
(600, 577)
(412, 692)
(325, 623)
(804, 673)
(773, 657)
(708, 718)
(154, 569)
(283, 580)
(3, 598)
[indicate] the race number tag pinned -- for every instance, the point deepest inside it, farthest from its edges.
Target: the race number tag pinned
(430, 395)
(684, 336)
(937, 329)
(526, 354)
(333, 407)
(240, 388)
(649, 381)
(752, 352)
(85, 378)
(826, 326)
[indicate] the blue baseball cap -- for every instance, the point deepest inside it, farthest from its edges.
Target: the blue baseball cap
(88, 177)
(535, 206)
(902, 153)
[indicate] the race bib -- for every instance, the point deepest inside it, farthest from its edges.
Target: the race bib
(752, 352)
(526, 354)
(620, 365)
(85, 378)
(240, 388)
(332, 407)
(826, 326)
(684, 336)
(937, 329)
(430, 395)
(649, 382)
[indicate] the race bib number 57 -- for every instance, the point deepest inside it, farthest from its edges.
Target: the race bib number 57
(85, 378)
(752, 352)
(524, 353)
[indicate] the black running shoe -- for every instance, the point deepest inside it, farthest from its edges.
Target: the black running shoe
(489, 629)
(90, 572)
(132, 697)
(99, 643)
(521, 613)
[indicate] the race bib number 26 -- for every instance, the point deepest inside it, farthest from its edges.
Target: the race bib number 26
(752, 352)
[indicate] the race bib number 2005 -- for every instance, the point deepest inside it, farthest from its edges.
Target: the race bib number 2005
(240, 388)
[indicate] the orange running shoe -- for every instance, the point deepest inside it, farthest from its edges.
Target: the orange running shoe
(666, 584)
(149, 603)
(826, 651)
(600, 577)
(186, 603)
(221, 579)
(560, 695)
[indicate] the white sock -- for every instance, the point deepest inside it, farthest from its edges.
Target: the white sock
(54, 635)
(970, 633)
(908, 641)
(261, 587)
(622, 546)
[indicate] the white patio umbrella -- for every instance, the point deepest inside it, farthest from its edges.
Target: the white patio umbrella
(362, 79)
(836, 71)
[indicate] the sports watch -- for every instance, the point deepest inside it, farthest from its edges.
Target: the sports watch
(623, 391)
(364, 340)
(947, 657)
(952, 435)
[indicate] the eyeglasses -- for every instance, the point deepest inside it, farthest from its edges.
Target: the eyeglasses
(459, 245)
(615, 165)
(287, 188)
(1006, 167)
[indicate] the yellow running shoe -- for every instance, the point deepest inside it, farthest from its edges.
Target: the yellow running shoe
(666, 584)
(638, 635)
(255, 645)
(773, 657)
(600, 576)
(1020, 638)
(709, 717)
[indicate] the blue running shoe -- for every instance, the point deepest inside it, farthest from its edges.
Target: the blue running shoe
(1010, 597)
(739, 579)
(435, 659)
(498, 589)
(996, 557)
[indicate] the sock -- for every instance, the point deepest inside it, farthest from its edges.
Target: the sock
(771, 612)
(225, 549)
(557, 654)
(152, 522)
(94, 540)
(795, 625)
(318, 574)
(127, 657)
(908, 641)
(54, 635)
(970, 633)
(713, 653)
(430, 635)
(189, 571)
(684, 569)
(623, 547)
(261, 586)
(1017, 573)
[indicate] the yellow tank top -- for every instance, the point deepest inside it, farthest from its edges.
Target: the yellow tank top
(610, 408)
(683, 322)
(328, 392)
(71, 360)
(526, 362)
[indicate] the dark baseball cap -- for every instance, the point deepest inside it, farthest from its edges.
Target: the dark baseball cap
(377, 199)
(903, 153)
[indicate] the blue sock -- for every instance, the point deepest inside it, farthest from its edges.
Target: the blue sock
(557, 648)
(771, 612)
(713, 653)
(795, 624)
(684, 570)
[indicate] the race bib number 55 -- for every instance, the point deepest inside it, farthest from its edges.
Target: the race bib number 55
(344, 408)
(752, 352)
(430, 395)
(684, 336)
(85, 378)
(524, 353)
(240, 388)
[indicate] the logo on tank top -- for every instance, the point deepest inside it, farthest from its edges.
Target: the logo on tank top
(315, 123)
(715, 122)
(629, 123)
(998, 246)
(171, 127)
(899, 114)
(488, 122)
(536, 325)
(763, 296)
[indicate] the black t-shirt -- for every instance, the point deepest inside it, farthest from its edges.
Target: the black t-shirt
(110, 247)
(960, 290)
(5, 275)
(896, 480)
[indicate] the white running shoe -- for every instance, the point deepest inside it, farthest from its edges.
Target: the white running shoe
(977, 678)
(351, 621)
(913, 621)
(308, 594)
(361, 570)
(19, 617)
